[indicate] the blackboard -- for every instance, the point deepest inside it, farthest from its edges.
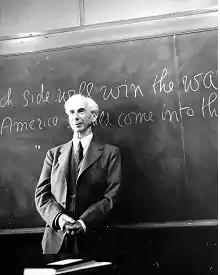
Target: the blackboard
(158, 101)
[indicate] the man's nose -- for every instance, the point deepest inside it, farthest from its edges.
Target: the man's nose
(76, 116)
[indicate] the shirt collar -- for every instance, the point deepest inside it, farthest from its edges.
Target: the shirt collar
(85, 140)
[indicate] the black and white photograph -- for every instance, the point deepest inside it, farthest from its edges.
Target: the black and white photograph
(109, 137)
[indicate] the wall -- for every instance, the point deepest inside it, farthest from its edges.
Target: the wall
(29, 16)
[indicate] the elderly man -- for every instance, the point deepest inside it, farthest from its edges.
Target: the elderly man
(79, 182)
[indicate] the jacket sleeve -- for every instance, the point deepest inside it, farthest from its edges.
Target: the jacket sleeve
(45, 202)
(96, 212)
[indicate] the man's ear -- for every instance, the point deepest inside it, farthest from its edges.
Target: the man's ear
(94, 116)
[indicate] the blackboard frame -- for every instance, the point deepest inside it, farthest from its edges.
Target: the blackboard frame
(139, 226)
(132, 29)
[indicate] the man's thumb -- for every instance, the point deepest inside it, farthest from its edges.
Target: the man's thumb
(69, 219)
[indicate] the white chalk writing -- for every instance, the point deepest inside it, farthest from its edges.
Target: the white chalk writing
(103, 119)
(31, 98)
(177, 114)
(160, 82)
(133, 117)
(10, 125)
(84, 89)
(193, 84)
(6, 100)
(120, 91)
(208, 107)
(62, 96)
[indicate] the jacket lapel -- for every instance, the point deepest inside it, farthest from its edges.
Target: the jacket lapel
(93, 153)
(64, 158)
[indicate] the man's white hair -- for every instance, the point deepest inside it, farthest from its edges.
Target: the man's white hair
(92, 105)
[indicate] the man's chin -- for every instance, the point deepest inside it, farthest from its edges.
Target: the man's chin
(79, 131)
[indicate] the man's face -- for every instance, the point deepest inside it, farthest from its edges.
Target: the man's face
(80, 116)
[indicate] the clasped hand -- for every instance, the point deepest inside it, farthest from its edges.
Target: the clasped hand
(69, 225)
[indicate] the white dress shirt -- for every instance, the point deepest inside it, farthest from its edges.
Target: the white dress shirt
(85, 141)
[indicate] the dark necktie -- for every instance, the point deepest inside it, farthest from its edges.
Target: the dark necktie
(79, 152)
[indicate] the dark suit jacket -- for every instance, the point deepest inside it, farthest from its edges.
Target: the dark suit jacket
(97, 187)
